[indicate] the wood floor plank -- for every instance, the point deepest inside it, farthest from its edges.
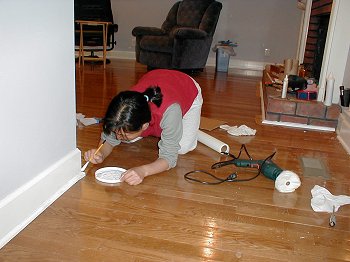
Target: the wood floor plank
(167, 218)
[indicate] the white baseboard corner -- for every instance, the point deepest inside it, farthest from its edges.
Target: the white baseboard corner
(22, 206)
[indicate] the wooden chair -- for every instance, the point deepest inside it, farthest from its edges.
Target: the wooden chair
(94, 29)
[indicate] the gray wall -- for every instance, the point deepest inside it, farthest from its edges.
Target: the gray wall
(254, 24)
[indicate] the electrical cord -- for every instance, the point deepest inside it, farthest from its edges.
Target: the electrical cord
(230, 178)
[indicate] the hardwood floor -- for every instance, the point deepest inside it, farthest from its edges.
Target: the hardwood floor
(167, 218)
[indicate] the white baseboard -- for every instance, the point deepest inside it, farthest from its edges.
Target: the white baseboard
(344, 143)
(240, 64)
(122, 54)
(297, 125)
(21, 207)
(343, 130)
(234, 63)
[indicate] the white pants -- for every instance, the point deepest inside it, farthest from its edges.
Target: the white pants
(190, 123)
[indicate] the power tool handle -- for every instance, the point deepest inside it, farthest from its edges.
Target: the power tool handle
(247, 163)
(223, 163)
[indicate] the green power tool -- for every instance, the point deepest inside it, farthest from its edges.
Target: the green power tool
(285, 181)
(266, 167)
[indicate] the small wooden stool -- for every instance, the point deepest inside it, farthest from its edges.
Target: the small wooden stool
(81, 46)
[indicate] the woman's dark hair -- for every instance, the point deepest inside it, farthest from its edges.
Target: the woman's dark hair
(129, 110)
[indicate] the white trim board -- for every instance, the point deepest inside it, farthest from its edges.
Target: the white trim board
(234, 63)
(304, 28)
(344, 144)
(240, 64)
(22, 206)
(343, 130)
(297, 125)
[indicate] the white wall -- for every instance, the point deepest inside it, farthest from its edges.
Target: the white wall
(257, 25)
(346, 81)
(254, 24)
(37, 105)
(337, 46)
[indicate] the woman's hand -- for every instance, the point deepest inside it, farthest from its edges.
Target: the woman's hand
(134, 176)
(95, 158)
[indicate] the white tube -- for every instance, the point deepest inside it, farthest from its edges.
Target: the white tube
(287, 66)
(295, 65)
(329, 90)
(285, 87)
(212, 142)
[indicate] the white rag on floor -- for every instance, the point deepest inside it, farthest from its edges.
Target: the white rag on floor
(242, 130)
(287, 182)
(86, 121)
(323, 201)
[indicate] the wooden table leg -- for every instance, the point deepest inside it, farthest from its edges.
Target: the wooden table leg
(105, 30)
(81, 46)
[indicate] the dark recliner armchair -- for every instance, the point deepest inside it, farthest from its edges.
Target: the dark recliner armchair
(184, 40)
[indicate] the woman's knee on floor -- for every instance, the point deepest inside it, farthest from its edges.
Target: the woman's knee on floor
(187, 148)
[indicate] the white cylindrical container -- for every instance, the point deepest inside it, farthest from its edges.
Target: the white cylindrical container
(287, 66)
(320, 93)
(212, 142)
(295, 65)
(285, 87)
(329, 90)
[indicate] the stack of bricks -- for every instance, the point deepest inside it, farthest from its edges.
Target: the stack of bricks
(294, 110)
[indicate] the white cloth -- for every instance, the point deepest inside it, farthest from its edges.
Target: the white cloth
(242, 130)
(89, 121)
(86, 121)
(323, 201)
(287, 181)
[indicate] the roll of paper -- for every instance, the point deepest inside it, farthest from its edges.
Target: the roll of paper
(329, 90)
(212, 142)
(295, 65)
(287, 66)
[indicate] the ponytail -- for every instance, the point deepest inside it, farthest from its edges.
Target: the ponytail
(153, 94)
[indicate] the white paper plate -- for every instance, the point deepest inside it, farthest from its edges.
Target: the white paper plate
(109, 174)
